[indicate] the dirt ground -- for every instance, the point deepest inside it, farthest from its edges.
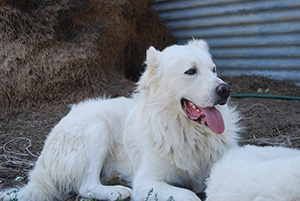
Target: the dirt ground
(265, 122)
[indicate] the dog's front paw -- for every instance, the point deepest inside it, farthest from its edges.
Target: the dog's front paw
(186, 195)
(118, 192)
(110, 193)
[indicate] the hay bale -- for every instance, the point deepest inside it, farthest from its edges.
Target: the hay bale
(61, 51)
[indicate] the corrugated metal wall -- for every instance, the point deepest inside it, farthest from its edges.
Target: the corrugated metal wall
(259, 37)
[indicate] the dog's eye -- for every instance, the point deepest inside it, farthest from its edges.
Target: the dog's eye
(214, 70)
(191, 71)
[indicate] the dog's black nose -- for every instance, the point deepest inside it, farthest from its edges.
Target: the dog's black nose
(223, 91)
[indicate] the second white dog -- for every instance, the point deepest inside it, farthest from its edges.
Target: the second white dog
(166, 137)
(254, 173)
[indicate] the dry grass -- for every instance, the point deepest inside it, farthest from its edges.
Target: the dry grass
(59, 51)
(291, 140)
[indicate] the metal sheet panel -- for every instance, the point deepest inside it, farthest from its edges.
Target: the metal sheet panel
(260, 37)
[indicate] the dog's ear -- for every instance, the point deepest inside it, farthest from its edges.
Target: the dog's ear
(199, 43)
(151, 57)
(151, 70)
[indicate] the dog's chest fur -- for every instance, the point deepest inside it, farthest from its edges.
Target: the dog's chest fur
(187, 149)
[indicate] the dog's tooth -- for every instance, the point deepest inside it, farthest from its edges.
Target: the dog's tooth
(197, 110)
(194, 106)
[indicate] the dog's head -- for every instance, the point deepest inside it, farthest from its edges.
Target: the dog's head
(183, 78)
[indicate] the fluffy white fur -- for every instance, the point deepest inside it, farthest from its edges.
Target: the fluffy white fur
(146, 140)
(253, 173)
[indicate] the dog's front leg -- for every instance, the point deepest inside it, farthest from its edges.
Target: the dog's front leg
(152, 174)
(99, 135)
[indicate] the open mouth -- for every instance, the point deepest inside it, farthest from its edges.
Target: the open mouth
(210, 117)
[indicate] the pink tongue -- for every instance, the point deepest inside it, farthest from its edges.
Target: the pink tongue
(213, 119)
(210, 117)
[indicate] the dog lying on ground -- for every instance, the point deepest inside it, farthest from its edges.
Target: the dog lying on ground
(166, 137)
(253, 173)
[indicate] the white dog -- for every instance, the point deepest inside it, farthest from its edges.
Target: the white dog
(166, 137)
(253, 173)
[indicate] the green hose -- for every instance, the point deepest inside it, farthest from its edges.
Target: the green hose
(264, 96)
